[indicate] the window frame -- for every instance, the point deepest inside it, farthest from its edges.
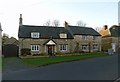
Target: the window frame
(35, 34)
(63, 34)
(63, 47)
(84, 37)
(85, 46)
(95, 47)
(35, 47)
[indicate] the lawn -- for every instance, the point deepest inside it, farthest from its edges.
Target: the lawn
(0, 61)
(58, 59)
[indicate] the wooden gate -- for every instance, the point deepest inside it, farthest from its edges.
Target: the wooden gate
(10, 50)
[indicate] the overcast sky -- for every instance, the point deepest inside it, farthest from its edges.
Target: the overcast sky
(95, 13)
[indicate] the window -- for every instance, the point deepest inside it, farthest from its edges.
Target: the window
(84, 47)
(63, 35)
(95, 37)
(35, 35)
(34, 47)
(63, 47)
(95, 47)
(84, 37)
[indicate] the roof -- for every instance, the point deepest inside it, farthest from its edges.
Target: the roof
(77, 30)
(45, 31)
(115, 31)
(11, 40)
(105, 32)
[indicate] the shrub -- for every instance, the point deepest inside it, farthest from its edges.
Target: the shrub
(25, 51)
(41, 54)
(59, 53)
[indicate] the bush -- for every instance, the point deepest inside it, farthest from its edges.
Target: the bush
(59, 53)
(25, 51)
(41, 54)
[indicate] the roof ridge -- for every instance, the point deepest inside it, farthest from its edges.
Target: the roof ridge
(80, 27)
(42, 26)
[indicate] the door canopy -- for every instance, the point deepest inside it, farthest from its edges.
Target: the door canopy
(50, 42)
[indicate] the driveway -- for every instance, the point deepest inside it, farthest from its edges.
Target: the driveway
(14, 65)
(103, 68)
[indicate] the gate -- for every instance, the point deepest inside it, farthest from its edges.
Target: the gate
(10, 50)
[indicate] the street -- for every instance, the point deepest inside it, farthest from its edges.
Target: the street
(102, 68)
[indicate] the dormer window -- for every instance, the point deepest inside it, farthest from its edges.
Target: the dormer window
(35, 35)
(63, 35)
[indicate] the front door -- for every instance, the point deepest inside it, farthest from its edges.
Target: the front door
(50, 50)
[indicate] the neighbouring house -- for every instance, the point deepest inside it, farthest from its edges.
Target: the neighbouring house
(50, 39)
(110, 38)
(11, 40)
(0, 40)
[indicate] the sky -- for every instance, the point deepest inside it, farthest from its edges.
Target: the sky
(95, 13)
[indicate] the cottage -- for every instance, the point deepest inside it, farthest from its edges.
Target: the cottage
(110, 38)
(49, 39)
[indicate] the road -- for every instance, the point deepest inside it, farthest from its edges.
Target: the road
(103, 68)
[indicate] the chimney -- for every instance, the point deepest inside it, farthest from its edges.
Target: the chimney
(0, 27)
(20, 20)
(118, 24)
(65, 24)
(105, 27)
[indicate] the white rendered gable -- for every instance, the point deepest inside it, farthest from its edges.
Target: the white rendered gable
(51, 43)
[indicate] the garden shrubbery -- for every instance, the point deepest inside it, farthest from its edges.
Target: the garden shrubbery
(41, 54)
(25, 51)
(59, 53)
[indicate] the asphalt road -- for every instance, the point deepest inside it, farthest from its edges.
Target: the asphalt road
(103, 68)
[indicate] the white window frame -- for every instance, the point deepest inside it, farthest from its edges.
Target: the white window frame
(35, 35)
(85, 47)
(95, 46)
(63, 47)
(84, 37)
(35, 47)
(63, 35)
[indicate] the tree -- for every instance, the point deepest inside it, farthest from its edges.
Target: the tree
(47, 23)
(77, 48)
(97, 29)
(4, 37)
(81, 23)
(56, 23)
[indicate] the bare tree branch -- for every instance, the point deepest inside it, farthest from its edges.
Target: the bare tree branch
(47, 23)
(56, 23)
(97, 29)
(81, 23)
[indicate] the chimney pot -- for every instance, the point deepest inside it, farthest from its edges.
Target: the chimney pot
(105, 27)
(118, 24)
(65, 24)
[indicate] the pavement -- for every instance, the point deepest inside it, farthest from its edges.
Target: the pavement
(103, 68)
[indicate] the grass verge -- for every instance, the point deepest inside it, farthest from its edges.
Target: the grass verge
(51, 60)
